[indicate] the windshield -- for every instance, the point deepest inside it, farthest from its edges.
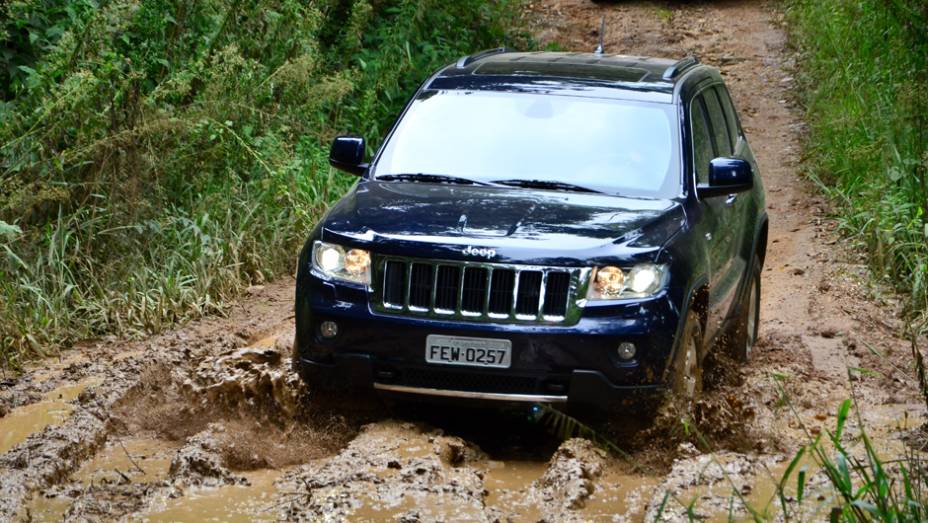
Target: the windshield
(613, 146)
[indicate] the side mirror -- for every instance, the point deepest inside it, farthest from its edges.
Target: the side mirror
(347, 154)
(726, 176)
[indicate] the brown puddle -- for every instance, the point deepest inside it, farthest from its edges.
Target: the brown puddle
(46, 510)
(507, 483)
(426, 506)
(231, 503)
(53, 409)
(620, 494)
(143, 460)
(616, 493)
(48, 368)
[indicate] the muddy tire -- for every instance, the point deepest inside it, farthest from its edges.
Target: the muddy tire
(686, 379)
(744, 335)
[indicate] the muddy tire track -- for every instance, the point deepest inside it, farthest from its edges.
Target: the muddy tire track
(126, 384)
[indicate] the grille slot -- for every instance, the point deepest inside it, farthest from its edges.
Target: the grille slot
(557, 290)
(420, 286)
(477, 290)
(394, 284)
(501, 287)
(446, 287)
(529, 293)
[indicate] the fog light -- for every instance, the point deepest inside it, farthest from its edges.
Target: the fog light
(329, 329)
(626, 351)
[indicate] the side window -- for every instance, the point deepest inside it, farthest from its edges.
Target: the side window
(717, 122)
(702, 142)
(729, 109)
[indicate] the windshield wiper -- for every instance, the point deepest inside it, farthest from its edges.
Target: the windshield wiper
(545, 184)
(430, 178)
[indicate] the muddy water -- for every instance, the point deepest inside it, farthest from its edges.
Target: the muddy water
(506, 483)
(136, 460)
(617, 494)
(620, 495)
(139, 460)
(230, 503)
(53, 409)
(46, 509)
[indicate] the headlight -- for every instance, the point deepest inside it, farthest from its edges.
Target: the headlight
(612, 283)
(334, 262)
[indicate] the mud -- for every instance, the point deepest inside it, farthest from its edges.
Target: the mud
(207, 422)
(54, 408)
(250, 500)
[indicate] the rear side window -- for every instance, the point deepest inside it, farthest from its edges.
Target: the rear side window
(729, 109)
(702, 142)
(717, 121)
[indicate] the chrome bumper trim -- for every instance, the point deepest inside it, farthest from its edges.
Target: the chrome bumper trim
(495, 396)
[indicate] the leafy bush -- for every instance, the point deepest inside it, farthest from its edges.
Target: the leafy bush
(864, 67)
(157, 157)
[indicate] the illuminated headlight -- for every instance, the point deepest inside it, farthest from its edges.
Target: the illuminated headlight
(613, 283)
(333, 261)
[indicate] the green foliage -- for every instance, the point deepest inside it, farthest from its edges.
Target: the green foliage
(28, 29)
(864, 67)
(839, 472)
(157, 157)
(866, 487)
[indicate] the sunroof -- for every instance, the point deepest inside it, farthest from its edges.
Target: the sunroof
(563, 70)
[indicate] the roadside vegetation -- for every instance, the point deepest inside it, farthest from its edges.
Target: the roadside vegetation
(864, 82)
(158, 157)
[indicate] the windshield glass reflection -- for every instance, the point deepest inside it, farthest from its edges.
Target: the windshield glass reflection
(612, 146)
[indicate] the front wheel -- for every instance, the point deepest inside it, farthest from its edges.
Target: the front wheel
(686, 371)
(745, 333)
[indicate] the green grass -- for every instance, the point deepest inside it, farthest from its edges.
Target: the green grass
(837, 475)
(864, 485)
(864, 82)
(158, 157)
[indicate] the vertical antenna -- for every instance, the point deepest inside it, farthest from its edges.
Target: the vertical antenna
(602, 35)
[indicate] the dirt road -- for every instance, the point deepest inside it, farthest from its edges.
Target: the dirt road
(208, 422)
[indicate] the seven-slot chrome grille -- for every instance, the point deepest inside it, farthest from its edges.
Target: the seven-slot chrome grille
(476, 290)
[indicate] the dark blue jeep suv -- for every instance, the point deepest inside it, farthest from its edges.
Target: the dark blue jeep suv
(543, 227)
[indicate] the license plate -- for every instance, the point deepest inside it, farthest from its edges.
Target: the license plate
(472, 352)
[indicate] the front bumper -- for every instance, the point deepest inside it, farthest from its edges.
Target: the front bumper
(588, 388)
(575, 364)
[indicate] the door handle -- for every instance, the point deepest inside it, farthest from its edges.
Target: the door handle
(731, 199)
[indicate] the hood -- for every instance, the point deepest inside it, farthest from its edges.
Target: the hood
(518, 223)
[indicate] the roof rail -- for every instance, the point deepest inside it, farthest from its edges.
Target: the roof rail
(464, 61)
(679, 66)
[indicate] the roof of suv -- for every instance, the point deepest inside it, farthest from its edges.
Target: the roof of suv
(580, 74)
